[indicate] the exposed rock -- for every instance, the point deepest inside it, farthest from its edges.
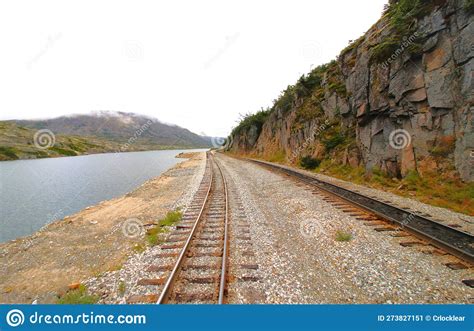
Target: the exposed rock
(407, 160)
(463, 49)
(428, 92)
(439, 56)
(416, 95)
(411, 78)
(439, 87)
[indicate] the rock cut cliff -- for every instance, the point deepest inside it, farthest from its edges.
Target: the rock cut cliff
(399, 99)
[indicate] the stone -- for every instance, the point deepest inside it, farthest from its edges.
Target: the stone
(416, 95)
(425, 120)
(407, 79)
(431, 24)
(430, 43)
(439, 87)
(407, 160)
(362, 110)
(463, 49)
(439, 56)
(74, 286)
(467, 81)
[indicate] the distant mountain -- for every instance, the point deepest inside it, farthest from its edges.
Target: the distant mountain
(120, 127)
(98, 132)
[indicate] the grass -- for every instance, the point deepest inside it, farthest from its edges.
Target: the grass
(152, 235)
(343, 236)
(78, 296)
(121, 288)
(139, 248)
(277, 157)
(432, 188)
(63, 151)
(9, 153)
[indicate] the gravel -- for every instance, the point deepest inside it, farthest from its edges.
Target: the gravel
(114, 287)
(293, 234)
(283, 249)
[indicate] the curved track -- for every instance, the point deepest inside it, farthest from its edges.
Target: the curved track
(458, 243)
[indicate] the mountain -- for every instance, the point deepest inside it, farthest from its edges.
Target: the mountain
(97, 132)
(120, 126)
(395, 106)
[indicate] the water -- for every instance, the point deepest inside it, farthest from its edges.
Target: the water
(37, 192)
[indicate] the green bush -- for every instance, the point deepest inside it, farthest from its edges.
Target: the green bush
(343, 236)
(250, 120)
(333, 141)
(307, 162)
(9, 152)
(469, 6)
(78, 296)
(384, 50)
(152, 235)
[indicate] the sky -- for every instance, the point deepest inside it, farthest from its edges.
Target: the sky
(197, 64)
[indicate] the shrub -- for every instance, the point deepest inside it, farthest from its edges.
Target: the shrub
(9, 152)
(121, 288)
(384, 50)
(152, 235)
(469, 6)
(333, 141)
(249, 120)
(444, 147)
(78, 296)
(343, 236)
(307, 162)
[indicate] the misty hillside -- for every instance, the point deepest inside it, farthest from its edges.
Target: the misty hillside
(102, 132)
(120, 127)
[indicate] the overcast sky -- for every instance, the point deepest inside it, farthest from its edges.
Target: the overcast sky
(197, 64)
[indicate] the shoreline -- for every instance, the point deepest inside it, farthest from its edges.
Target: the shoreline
(107, 152)
(42, 265)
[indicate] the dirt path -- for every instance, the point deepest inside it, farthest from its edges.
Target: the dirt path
(41, 266)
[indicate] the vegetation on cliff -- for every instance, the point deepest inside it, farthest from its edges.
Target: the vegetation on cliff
(409, 73)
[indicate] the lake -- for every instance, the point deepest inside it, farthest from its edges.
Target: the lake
(37, 192)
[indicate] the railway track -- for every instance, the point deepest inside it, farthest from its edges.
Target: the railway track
(194, 263)
(199, 274)
(450, 240)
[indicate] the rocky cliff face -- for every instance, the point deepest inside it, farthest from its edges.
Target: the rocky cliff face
(400, 98)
